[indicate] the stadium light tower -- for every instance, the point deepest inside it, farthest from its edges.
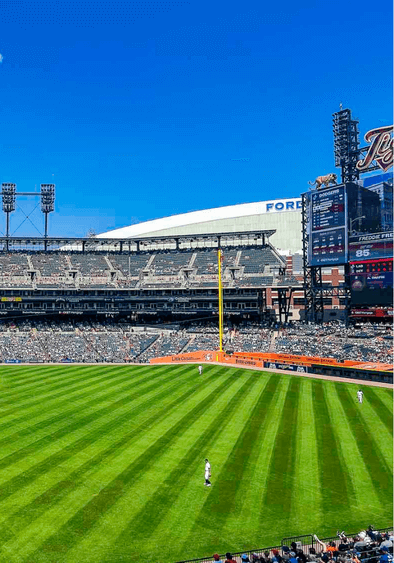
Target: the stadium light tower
(47, 202)
(346, 144)
(8, 197)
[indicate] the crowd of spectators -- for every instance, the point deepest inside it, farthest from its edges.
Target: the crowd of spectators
(109, 341)
(100, 270)
(369, 546)
(371, 343)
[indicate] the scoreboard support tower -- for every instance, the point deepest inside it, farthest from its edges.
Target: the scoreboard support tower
(313, 295)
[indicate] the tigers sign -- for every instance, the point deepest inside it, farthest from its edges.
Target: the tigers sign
(380, 150)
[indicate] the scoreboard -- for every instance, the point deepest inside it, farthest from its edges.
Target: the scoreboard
(370, 246)
(371, 282)
(331, 213)
(327, 225)
(328, 247)
(328, 209)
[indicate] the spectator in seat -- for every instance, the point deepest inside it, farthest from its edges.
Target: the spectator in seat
(245, 558)
(293, 558)
(331, 549)
(229, 558)
(312, 554)
(386, 542)
(301, 556)
(276, 556)
(216, 558)
(344, 545)
(386, 557)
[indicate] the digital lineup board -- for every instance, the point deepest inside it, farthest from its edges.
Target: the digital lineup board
(371, 282)
(327, 225)
(328, 209)
(328, 247)
(370, 246)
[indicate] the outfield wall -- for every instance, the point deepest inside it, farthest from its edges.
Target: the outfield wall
(289, 362)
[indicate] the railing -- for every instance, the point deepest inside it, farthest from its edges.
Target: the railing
(304, 542)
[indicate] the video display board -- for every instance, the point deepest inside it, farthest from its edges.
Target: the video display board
(370, 246)
(327, 227)
(328, 247)
(328, 209)
(371, 282)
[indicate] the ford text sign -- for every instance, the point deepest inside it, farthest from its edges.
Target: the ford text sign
(283, 205)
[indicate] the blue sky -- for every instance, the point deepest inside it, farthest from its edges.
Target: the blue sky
(138, 110)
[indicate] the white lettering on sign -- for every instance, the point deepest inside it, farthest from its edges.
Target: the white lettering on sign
(283, 205)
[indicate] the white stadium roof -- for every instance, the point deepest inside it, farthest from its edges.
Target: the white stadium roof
(209, 217)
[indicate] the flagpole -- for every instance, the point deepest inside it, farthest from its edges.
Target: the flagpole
(220, 302)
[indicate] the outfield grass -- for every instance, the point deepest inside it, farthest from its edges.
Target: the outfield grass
(107, 463)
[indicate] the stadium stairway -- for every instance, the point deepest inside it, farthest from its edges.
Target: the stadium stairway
(147, 348)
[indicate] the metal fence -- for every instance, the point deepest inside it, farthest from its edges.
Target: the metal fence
(304, 542)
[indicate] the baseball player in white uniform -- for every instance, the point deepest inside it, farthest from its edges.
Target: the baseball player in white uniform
(200, 370)
(360, 396)
(207, 473)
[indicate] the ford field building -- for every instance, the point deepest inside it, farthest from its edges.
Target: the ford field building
(281, 215)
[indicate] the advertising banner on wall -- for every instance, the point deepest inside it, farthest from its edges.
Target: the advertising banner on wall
(288, 367)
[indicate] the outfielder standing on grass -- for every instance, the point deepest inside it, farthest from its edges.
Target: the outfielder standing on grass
(207, 473)
(360, 396)
(200, 370)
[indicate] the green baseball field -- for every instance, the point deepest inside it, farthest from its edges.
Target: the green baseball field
(106, 463)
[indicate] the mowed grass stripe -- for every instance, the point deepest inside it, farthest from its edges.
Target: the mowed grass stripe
(81, 438)
(49, 383)
(83, 512)
(388, 393)
(380, 472)
(63, 423)
(51, 490)
(22, 375)
(256, 478)
(65, 390)
(306, 490)
(148, 519)
(62, 410)
(139, 513)
(278, 496)
(231, 461)
(354, 463)
(198, 532)
(337, 491)
(382, 436)
(383, 411)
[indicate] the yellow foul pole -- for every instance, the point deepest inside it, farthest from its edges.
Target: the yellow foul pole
(220, 302)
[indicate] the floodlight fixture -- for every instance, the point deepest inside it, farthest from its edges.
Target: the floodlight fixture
(47, 202)
(8, 192)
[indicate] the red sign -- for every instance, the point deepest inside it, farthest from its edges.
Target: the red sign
(381, 149)
(372, 312)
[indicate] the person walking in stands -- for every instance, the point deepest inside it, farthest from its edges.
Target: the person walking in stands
(360, 396)
(208, 474)
(200, 370)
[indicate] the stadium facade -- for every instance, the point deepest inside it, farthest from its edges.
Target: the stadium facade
(281, 215)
